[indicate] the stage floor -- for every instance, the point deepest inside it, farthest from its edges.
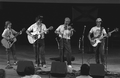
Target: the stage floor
(26, 53)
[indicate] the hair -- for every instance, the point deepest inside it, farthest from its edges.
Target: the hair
(29, 70)
(98, 20)
(67, 19)
(39, 18)
(85, 69)
(2, 73)
(6, 23)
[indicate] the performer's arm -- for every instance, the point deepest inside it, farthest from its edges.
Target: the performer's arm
(71, 30)
(105, 33)
(44, 28)
(14, 32)
(57, 31)
(89, 35)
(28, 31)
(5, 34)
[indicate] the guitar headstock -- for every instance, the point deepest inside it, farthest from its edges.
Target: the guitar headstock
(116, 29)
(50, 28)
(23, 29)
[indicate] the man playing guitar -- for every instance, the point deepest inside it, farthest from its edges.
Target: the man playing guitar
(36, 37)
(98, 32)
(8, 35)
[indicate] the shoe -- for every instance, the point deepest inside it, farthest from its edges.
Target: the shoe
(8, 62)
(36, 65)
(44, 66)
(8, 67)
(15, 63)
(69, 66)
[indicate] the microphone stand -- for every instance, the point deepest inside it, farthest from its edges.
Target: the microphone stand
(62, 49)
(83, 44)
(57, 43)
(107, 48)
(79, 44)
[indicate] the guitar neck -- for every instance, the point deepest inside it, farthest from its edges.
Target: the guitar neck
(112, 31)
(46, 30)
(19, 33)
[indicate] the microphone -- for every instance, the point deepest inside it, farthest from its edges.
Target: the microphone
(79, 39)
(108, 29)
(84, 29)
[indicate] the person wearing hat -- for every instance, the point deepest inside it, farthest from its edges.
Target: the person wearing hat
(65, 31)
(9, 34)
(39, 45)
(98, 41)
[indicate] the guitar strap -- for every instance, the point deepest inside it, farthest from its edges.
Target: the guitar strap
(101, 29)
(102, 40)
(40, 30)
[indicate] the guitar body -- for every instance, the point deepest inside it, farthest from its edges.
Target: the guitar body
(7, 44)
(95, 43)
(31, 39)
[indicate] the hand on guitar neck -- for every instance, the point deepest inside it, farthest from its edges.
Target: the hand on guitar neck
(109, 33)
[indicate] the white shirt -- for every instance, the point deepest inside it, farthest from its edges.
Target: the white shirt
(82, 76)
(66, 33)
(97, 30)
(32, 76)
(37, 29)
(8, 33)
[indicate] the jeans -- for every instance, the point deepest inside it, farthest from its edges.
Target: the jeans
(65, 47)
(11, 50)
(100, 52)
(39, 49)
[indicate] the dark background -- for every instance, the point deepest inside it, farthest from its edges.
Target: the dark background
(22, 15)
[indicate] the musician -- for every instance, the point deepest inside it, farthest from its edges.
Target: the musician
(65, 32)
(98, 32)
(8, 34)
(38, 45)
